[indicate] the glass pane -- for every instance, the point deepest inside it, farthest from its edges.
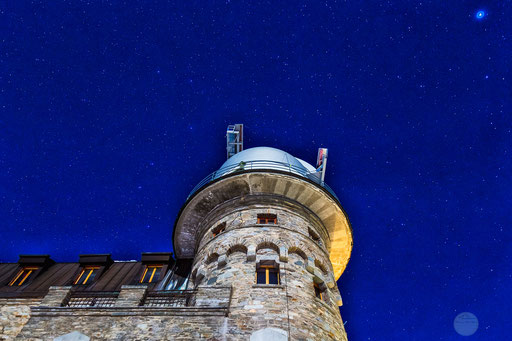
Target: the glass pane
(177, 278)
(87, 276)
(93, 274)
(261, 277)
(82, 277)
(19, 277)
(147, 275)
(272, 277)
(23, 277)
(156, 274)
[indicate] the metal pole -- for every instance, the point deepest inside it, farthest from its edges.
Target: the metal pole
(324, 164)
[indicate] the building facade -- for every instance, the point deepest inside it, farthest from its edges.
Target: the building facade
(259, 245)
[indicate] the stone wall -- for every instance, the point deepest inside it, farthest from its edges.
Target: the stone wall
(290, 310)
(14, 313)
(124, 325)
(230, 258)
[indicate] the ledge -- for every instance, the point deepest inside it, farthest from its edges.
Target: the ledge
(268, 286)
(305, 192)
(132, 311)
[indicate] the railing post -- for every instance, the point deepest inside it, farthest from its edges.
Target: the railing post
(131, 295)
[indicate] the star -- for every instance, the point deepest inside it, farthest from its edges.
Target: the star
(480, 14)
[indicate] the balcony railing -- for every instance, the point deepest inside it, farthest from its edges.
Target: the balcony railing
(88, 299)
(174, 298)
(263, 165)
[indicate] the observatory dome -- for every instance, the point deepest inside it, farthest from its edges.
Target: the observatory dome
(266, 158)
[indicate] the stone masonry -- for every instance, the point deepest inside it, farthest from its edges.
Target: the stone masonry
(218, 233)
(14, 314)
(230, 258)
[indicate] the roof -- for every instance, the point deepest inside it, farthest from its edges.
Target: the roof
(111, 277)
(267, 158)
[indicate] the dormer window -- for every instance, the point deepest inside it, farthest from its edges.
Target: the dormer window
(219, 229)
(267, 272)
(23, 275)
(151, 274)
(267, 219)
(87, 275)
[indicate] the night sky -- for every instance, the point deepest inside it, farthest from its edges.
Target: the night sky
(111, 112)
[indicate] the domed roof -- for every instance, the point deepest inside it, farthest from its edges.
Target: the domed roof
(265, 158)
(262, 154)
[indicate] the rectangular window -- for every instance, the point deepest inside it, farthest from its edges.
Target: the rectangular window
(318, 292)
(23, 275)
(151, 274)
(267, 219)
(267, 274)
(87, 275)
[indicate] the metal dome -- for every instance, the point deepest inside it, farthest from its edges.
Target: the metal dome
(266, 158)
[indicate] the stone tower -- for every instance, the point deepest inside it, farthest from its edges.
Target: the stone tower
(268, 226)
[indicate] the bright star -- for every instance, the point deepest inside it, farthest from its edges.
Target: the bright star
(480, 14)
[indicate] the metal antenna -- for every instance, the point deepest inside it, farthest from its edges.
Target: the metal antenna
(234, 139)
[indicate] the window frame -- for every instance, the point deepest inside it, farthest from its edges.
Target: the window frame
(92, 268)
(147, 267)
(266, 219)
(30, 271)
(267, 270)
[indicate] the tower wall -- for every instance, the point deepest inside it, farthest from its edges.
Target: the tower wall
(298, 244)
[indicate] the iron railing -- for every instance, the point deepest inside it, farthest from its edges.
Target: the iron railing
(170, 298)
(88, 299)
(262, 165)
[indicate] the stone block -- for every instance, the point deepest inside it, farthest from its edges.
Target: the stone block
(55, 296)
(330, 282)
(338, 300)
(269, 334)
(283, 254)
(310, 265)
(200, 275)
(251, 253)
(131, 295)
(222, 261)
(73, 336)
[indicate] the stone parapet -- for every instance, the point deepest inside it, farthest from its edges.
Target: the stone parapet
(131, 295)
(56, 296)
(213, 297)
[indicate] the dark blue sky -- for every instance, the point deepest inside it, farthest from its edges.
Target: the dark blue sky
(111, 113)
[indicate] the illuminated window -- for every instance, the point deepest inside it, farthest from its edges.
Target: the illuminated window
(267, 219)
(219, 229)
(151, 273)
(23, 276)
(318, 291)
(87, 274)
(267, 274)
